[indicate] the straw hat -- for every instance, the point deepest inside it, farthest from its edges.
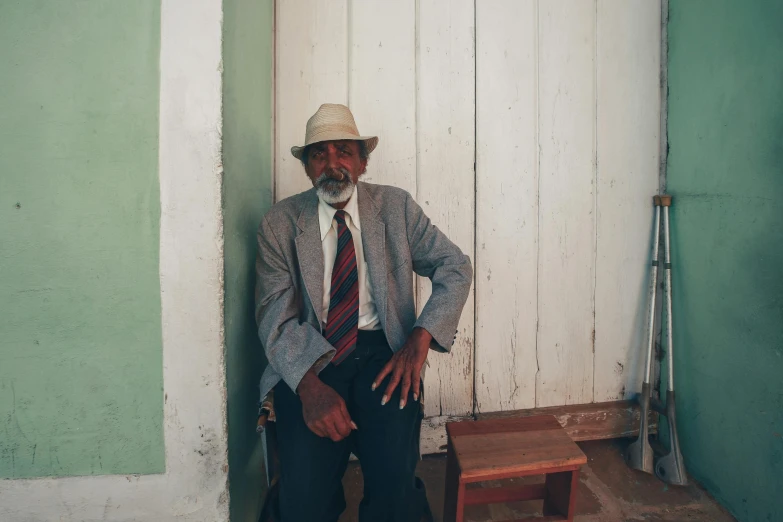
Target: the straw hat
(333, 122)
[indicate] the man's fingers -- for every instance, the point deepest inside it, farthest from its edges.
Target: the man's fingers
(331, 427)
(417, 385)
(406, 386)
(342, 421)
(347, 417)
(333, 432)
(383, 373)
(344, 429)
(316, 428)
(393, 382)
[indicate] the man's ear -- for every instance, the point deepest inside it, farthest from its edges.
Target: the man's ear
(364, 167)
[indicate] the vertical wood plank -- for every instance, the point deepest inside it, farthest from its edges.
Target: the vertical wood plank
(506, 203)
(445, 154)
(628, 116)
(566, 273)
(382, 86)
(310, 69)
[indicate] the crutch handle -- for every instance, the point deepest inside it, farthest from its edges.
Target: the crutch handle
(666, 200)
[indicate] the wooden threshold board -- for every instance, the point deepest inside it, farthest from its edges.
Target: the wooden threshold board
(596, 421)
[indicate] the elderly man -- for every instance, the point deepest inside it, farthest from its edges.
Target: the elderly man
(337, 318)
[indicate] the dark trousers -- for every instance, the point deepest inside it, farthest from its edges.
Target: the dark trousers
(387, 444)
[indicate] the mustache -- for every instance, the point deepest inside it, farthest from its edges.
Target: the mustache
(330, 177)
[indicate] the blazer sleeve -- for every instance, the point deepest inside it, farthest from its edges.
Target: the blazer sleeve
(291, 347)
(436, 257)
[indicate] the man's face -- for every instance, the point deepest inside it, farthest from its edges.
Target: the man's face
(334, 168)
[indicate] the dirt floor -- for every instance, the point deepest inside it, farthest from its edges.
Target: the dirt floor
(609, 492)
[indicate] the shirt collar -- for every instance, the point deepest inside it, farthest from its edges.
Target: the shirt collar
(326, 213)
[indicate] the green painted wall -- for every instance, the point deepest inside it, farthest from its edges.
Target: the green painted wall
(247, 195)
(80, 343)
(726, 172)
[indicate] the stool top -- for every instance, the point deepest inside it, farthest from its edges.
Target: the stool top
(513, 447)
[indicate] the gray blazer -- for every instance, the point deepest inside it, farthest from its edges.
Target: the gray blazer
(398, 239)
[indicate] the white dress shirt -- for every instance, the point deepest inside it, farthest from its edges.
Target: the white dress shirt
(368, 314)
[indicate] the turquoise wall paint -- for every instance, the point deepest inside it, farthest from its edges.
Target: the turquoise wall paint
(80, 350)
(247, 195)
(725, 170)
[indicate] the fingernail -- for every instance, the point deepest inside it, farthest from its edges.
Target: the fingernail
(416, 397)
(383, 400)
(374, 386)
(354, 426)
(402, 404)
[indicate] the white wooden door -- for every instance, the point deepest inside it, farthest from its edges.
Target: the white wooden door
(528, 130)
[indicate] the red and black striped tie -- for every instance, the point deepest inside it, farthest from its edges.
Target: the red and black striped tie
(342, 322)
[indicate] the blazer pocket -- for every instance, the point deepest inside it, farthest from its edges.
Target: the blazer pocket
(399, 267)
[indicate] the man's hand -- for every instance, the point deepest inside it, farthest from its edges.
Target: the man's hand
(323, 409)
(405, 366)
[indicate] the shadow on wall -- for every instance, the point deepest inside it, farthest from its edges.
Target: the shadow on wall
(247, 195)
(726, 173)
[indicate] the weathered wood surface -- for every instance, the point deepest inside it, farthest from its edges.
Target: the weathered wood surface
(445, 187)
(606, 420)
(406, 69)
(382, 86)
(557, 103)
(487, 457)
(566, 241)
(311, 68)
(433, 433)
(628, 66)
(597, 421)
(506, 204)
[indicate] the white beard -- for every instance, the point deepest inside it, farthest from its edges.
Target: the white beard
(340, 196)
(334, 191)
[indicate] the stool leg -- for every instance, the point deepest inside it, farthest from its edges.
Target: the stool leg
(454, 501)
(560, 494)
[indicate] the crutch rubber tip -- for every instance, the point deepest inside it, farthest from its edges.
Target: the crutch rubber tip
(666, 200)
(657, 200)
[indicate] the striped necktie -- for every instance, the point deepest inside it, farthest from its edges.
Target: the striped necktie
(342, 322)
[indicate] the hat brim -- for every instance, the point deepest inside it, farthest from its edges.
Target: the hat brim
(369, 141)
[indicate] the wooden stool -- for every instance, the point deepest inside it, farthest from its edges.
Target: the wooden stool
(507, 448)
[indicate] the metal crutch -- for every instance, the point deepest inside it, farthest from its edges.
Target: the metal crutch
(640, 453)
(670, 467)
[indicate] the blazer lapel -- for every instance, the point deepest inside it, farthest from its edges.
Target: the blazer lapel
(310, 254)
(374, 241)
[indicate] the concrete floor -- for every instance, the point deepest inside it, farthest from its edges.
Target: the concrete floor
(609, 491)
